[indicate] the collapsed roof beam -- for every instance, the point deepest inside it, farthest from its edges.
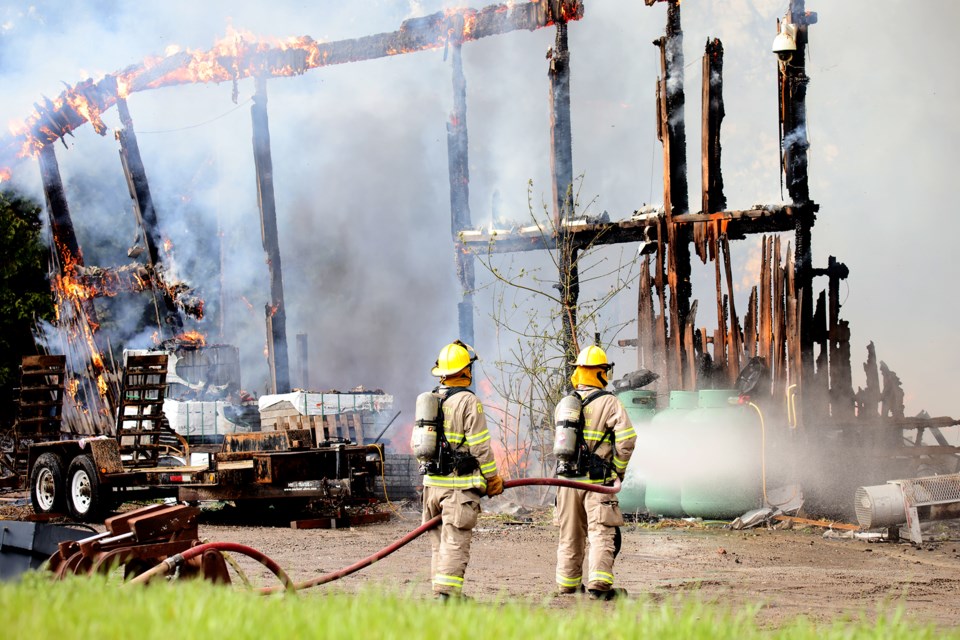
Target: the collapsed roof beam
(85, 101)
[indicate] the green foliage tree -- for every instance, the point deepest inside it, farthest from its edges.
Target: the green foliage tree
(24, 289)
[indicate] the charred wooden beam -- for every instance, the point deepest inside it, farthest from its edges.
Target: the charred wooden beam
(146, 215)
(303, 361)
(97, 282)
(793, 80)
(734, 344)
(238, 59)
(64, 238)
(586, 231)
(276, 312)
(868, 399)
(58, 211)
(459, 168)
(838, 339)
(673, 136)
(561, 165)
(712, 197)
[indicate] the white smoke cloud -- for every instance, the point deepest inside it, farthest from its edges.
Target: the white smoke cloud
(360, 166)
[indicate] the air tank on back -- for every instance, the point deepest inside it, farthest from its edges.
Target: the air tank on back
(722, 478)
(641, 406)
(662, 457)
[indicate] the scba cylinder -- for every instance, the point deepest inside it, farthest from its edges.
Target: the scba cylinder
(426, 427)
(567, 420)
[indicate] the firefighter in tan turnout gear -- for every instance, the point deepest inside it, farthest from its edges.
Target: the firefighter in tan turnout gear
(595, 439)
(451, 441)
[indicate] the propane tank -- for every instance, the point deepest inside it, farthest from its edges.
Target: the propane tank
(567, 420)
(427, 417)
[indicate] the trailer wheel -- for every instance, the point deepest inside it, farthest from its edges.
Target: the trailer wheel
(47, 491)
(84, 499)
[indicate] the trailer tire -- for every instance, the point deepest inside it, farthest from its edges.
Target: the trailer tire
(85, 501)
(47, 489)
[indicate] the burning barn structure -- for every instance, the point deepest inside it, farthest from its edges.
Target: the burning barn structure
(791, 336)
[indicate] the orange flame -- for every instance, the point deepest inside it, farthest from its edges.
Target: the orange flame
(192, 337)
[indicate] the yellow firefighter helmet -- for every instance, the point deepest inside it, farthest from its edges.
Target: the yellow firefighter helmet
(453, 358)
(593, 356)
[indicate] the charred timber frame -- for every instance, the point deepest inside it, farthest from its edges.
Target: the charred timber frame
(276, 314)
(738, 224)
(85, 101)
(459, 169)
(672, 133)
(561, 166)
(66, 247)
(793, 117)
(146, 215)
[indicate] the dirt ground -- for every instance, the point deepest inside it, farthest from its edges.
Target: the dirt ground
(786, 572)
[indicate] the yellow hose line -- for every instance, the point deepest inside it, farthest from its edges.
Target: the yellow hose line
(763, 452)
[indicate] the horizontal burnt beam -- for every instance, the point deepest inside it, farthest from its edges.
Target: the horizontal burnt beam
(738, 224)
(87, 100)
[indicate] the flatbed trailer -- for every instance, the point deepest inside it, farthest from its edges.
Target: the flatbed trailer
(144, 459)
(86, 477)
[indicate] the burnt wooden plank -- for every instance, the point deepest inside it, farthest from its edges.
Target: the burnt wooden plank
(734, 348)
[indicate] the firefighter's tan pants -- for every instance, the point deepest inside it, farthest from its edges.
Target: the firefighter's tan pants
(586, 516)
(459, 509)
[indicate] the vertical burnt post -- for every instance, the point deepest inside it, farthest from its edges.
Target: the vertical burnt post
(713, 198)
(275, 312)
(66, 247)
(68, 253)
(146, 215)
(561, 165)
(457, 158)
(673, 135)
(792, 81)
(58, 211)
(838, 339)
(303, 361)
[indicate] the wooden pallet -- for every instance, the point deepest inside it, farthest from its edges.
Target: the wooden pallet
(140, 421)
(336, 427)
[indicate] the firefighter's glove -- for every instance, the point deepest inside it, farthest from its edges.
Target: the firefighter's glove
(494, 486)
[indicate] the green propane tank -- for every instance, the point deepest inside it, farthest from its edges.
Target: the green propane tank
(663, 455)
(723, 458)
(641, 406)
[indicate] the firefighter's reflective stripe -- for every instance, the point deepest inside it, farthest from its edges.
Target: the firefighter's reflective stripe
(601, 576)
(594, 436)
(476, 438)
(572, 583)
(619, 464)
(456, 482)
(489, 469)
(455, 438)
(626, 434)
(448, 581)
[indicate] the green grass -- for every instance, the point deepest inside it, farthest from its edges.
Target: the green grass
(38, 609)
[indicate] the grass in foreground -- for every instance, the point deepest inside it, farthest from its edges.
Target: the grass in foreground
(37, 609)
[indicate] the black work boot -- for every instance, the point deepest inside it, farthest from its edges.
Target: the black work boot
(608, 594)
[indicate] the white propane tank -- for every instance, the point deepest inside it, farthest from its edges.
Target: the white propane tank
(426, 425)
(566, 418)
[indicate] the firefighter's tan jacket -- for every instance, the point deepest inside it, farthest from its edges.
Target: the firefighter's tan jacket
(465, 427)
(608, 432)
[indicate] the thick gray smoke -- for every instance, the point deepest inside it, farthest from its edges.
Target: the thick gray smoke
(360, 165)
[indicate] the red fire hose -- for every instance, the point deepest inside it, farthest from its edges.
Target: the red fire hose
(172, 562)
